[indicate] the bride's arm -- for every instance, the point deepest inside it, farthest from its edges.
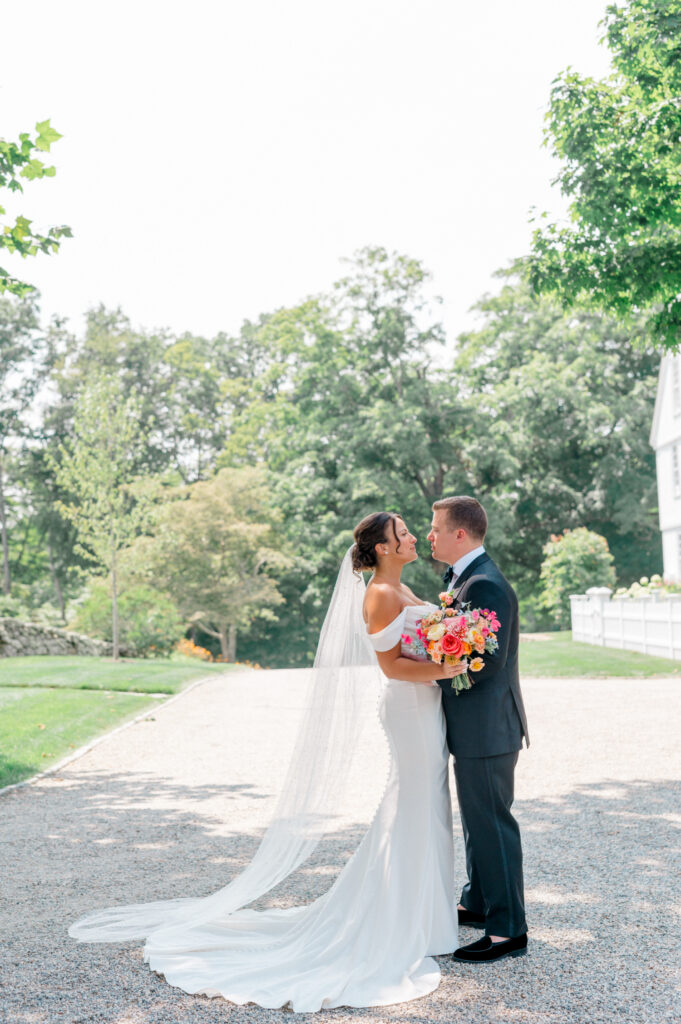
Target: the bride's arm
(382, 607)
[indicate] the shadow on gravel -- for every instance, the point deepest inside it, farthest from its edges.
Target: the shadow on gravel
(152, 846)
(600, 865)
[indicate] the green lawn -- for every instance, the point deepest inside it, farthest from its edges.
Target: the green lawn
(559, 656)
(50, 706)
(91, 673)
(39, 726)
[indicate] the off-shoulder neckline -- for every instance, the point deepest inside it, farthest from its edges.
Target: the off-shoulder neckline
(403, 610)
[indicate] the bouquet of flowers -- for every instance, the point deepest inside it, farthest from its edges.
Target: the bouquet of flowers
(448, 637)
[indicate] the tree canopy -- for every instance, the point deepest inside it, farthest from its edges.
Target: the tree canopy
(20, 161)
(342, 405)
(619, 143)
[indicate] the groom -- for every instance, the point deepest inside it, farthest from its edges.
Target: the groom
(485, 728)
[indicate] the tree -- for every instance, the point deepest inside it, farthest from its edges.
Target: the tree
(561, 405)
(216, 550)
(573, 562)
(196, 408)
(19, 160)
(181, 386)
(23, 363)
(47, 550)
(619, 141)
(96, 467)
(43, 542)
(149, 624)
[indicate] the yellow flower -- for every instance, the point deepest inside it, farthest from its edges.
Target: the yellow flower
(467, 649)
(476, 664)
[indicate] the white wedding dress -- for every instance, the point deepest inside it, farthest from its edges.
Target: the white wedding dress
(369, 940)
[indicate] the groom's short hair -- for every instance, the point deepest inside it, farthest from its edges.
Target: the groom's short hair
(464, 513)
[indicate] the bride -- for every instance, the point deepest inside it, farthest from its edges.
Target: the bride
(367, 941)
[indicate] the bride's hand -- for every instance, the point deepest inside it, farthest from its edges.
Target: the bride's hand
(449, 671)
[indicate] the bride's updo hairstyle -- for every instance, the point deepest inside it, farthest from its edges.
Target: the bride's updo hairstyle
(371, 531)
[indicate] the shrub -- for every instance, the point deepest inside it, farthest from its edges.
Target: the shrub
(646, 587)
(574, 561)
(13, 607)
(149, 623)
(20, 606)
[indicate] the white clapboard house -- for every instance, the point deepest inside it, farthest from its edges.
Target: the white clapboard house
(650, 623)
(665, 438)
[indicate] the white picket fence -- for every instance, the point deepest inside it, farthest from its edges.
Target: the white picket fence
(648, 624)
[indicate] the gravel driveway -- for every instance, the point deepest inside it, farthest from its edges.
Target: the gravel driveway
(176, 803)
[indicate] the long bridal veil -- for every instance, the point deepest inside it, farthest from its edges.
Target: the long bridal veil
(343, 690)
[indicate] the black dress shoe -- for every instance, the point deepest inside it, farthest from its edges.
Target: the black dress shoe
(484, 951)
(471, 919)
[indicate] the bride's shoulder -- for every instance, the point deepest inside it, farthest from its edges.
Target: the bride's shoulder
(382, 605)
(410, 593)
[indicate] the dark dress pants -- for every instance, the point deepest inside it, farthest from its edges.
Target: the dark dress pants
(494, 858)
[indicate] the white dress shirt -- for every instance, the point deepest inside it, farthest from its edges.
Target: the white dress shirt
(463, 562)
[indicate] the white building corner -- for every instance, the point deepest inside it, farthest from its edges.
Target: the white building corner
(665, 438)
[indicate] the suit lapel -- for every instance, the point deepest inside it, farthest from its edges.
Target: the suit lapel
(467, 573)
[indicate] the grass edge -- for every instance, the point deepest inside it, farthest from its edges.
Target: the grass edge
(87, 747)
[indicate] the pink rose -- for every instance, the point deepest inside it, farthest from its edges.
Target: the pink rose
(452, 644)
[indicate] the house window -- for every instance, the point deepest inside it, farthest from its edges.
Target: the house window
(676, 472)
(676, 386)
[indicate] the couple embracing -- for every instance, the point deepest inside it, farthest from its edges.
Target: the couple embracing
(370, 939)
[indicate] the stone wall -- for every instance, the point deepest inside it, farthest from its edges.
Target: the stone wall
(22, 638)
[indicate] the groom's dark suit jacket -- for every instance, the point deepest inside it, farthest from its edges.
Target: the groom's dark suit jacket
(488, 719)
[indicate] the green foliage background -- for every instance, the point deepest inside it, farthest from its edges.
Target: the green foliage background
(255, 454)
(617, 140)
(350, 402)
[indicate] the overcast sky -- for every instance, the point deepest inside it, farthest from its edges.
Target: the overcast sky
(220, 158)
